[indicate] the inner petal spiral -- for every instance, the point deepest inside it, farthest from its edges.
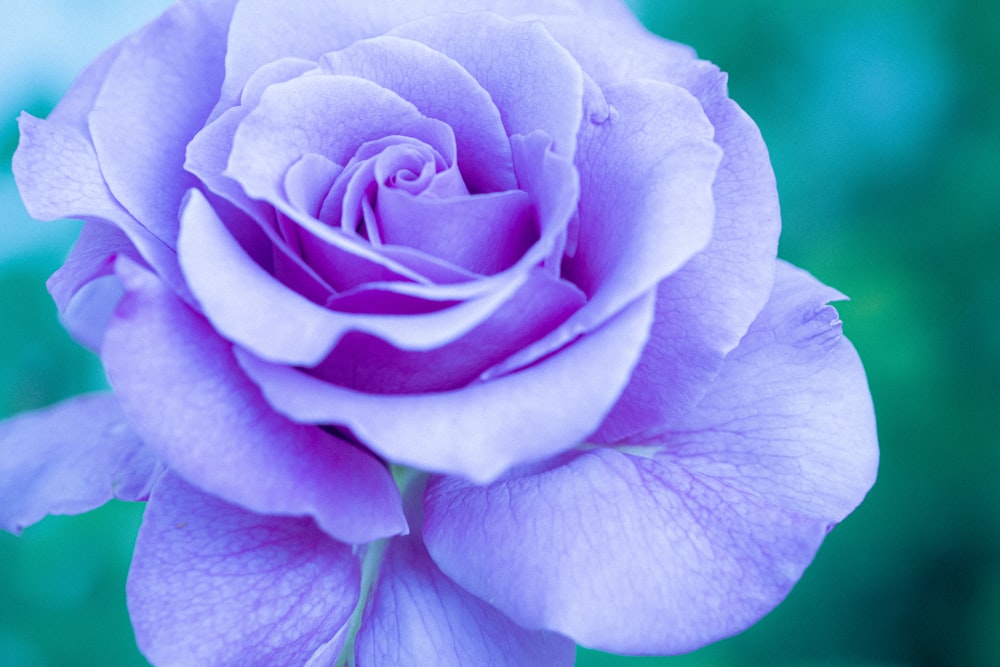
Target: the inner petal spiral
(396, 162)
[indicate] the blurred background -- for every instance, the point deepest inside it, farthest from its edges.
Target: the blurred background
(883, 121)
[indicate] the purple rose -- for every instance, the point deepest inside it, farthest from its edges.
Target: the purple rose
(439, 332)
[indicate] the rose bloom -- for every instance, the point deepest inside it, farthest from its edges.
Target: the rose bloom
(439, 332)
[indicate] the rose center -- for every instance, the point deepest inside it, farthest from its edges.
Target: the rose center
(365, 197)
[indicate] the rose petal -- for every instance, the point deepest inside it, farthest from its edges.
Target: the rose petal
(245, 229)
(277, 71)
(705, 308)
(265, 30)
(308, 180)
(87, 315)
(612, 46)
(189, 400)
(286, 327)
(416, 614)
(422, 163)
(213, 584)
(483, 429)
(84, 287)
(805, 437)
(620, 553)
(484, 233)
(156, 96)
(694, 535)
(346, 260)
(92, 256)
(650, 162)
(435, 271)
(70, 458)
(207, 155)
(439, 88)
(303, 30)
(368, 364)
(296, 118)
(523, 65)
(553, 185)
(58, 175)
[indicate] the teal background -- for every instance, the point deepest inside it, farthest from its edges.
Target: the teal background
(883, 120)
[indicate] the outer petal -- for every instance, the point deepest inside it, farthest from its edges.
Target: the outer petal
(266, 30)
(58, 175)
(651, 161)
(790, 417)
(213, 584)
(156, 96)
(621, 553)
(523, 65)
(92, 257)
(84, 288)
(418, 616)
(612, 45)
(69, 459)
(88, 313)
(705, 308)
(664, 548)
(483, 429)
(181, 387)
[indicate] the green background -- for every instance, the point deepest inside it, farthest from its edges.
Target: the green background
(883, 120)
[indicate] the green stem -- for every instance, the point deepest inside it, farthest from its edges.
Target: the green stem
(411, 485)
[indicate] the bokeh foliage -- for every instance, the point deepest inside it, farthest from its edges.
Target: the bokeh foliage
(883, 120)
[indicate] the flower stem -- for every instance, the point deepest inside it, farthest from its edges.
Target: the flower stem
(411, 485)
